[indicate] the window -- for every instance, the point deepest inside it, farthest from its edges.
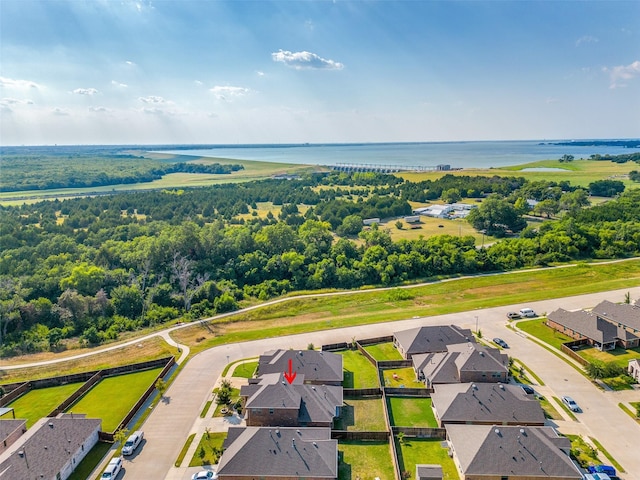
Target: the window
(271, 411)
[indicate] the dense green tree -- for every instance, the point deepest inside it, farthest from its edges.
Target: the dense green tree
(127, 301)
(496, 217)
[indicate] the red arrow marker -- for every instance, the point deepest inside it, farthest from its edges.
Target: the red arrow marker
(291, 376)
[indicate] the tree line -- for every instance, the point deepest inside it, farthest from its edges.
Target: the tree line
(91, 268)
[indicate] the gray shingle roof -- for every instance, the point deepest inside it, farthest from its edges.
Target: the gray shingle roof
(315, 403)
(590, 325)
(486, 403)
(48, 449)
(512, 451)
(288, 452)
(7, 427)
(428, 472)
(432, 338)
(446, 367)
(317, 367)
(623, 313)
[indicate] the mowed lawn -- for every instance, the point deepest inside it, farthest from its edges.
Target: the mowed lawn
(362, 415)
(401, 377)
(245, 370)
(415, 451)
(112, 398)
(40, 402)
(411, 412)
(538, 329)
(365, 460)
(359, 372)
(383, 351)
(618, 355)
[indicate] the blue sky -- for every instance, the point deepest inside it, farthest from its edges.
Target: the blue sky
(148, 72)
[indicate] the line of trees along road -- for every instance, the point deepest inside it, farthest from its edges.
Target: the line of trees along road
(94, 267)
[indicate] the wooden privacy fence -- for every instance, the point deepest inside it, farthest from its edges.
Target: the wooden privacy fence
(351, 435)
(421, 432)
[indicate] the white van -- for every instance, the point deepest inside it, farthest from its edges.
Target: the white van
(527, 313)
(132, 442)
(113, 469)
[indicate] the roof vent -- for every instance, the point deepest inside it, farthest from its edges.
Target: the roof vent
(51, 424)
(298, 432)
(21, 454)
(501, 387)
(277, 432)
(315, 444)
(497, 431)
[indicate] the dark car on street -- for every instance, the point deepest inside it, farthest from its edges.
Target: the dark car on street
(501, 342)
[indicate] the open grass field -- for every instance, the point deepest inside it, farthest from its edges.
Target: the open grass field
(358, 370)
(252, 171)
(401, 378)
(538, 329)
(205, 454)
(148, 349)
(362, 415)
(365, 460)
(112, 398)
(383, 351)
(619, 356)
(411, 412)
(301, 315)
(578, 172)
(413, 451)
(40, 402)
(245, 370)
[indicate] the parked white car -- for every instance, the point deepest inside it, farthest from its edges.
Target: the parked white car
(132, 442)
(571, 403)
(527, 313)
(112, 470)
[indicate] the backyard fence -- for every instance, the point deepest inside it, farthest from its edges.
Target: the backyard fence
(407, 392)
(351, 435)
(332, 347)
(421, 432)
(361, 392)
(566, 349)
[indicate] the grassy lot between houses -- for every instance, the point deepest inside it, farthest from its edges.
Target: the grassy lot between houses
(112, 398)
(358, 370)
(245, 370)
(401, 377)
(411, 412)
(235, 396)
(383, 351)
(619, 356)
(365, 460)
(413, 451)
(40, 402)
(362, 415)
(538, 329)
(209, 449)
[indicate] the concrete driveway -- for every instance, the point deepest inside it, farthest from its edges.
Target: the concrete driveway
(172, 421)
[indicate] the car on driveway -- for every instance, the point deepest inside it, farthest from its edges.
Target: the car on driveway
(571, 403)
(500, 342)
(608, 469)
(204, 475)
(513, 315)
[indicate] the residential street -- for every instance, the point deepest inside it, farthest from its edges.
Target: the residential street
(172, 421)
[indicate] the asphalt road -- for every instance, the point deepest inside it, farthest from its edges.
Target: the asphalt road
(168, 426)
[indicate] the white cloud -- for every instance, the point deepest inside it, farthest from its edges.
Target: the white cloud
(17, 84)
(305, 61)
(586, 39)
(551, 100)
(62, 112)
(198, 83)
(621, 73)
(130, 63)
(100, 109)
(15, 101)
(118, 84)
(85, 91)
(259, 73)
(152, 99)
(226, 92)
(309, 24)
